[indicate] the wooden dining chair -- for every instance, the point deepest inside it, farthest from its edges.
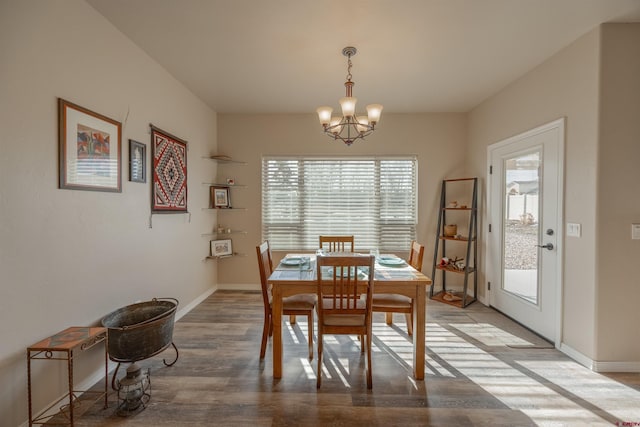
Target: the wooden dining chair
(341, 310)
(303, 304)
(394, 303)
(337, 243)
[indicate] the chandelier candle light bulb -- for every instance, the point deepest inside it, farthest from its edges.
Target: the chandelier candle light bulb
(349, 127)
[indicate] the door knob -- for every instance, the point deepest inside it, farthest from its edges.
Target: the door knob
(547, 246)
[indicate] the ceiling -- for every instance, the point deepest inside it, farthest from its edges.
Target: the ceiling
(285, 56)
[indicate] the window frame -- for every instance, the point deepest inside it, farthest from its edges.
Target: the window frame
(290, 195)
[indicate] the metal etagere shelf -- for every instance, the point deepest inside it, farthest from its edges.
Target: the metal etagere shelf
(466, 266)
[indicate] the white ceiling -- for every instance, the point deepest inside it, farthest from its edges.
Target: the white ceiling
(285, 56)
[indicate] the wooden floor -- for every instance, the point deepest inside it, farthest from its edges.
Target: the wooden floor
(482, 370)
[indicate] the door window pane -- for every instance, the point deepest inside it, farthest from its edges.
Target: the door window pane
(521, 226)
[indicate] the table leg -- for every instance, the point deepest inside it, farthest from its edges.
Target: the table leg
(419, 332)
(29, 386)
(276, 316)
(106, 371)
(70, 371)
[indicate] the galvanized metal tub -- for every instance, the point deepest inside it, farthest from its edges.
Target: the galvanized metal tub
(142, 330)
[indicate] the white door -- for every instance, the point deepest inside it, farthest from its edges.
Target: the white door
(525, 238)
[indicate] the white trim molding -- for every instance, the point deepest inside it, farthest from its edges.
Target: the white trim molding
(239, 286)
(600, 366)
(186, 309)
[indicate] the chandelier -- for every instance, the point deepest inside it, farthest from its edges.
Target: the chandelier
(349, 127)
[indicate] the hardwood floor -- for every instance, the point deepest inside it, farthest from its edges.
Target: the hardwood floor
(482, 370)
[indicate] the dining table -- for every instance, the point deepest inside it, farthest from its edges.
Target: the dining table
(296, 274)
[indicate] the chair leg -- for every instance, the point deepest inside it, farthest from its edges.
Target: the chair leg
(310, 330)
(409, 317)
(369, 374)
(389, 318)
(266, 332)
(292, 319)
(361, 343)
(319, 374)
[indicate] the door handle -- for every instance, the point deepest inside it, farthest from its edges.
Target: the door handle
(548, 246)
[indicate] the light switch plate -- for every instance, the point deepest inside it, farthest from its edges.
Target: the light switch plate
(574, 230)
(635, 231)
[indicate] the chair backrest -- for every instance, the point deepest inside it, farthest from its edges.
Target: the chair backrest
(265, 264)
(337, 243)
(415, 257)
(341, 281)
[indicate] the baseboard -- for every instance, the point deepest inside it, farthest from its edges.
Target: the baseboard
(239, 286)
(186, 309)
(631, 367)
(576, 355)
(482, 300)
(600, 366)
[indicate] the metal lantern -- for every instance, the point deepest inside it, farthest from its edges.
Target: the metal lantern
(134, 390)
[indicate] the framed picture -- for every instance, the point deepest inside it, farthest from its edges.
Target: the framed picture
(89, 149)
(137, 161)
(221, 247)
(220, 197)
(169, 181)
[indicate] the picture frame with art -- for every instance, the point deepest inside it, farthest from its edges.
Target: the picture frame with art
(137, 161)
(220, 197)
(89, 149)
(221, 248)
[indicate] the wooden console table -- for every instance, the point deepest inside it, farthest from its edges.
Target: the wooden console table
(61, 346)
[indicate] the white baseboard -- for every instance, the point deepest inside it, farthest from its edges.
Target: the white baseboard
(599, 366)
(186, 309)
(616, 366)
(239, 286)
(576, 355)
(482, 301)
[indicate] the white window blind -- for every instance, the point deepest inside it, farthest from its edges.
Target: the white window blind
(375, 199)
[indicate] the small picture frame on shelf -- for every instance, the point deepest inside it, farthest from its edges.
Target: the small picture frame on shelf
(220, 197)
(221, 247)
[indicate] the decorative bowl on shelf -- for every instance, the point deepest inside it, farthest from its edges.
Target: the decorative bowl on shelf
(450, 230)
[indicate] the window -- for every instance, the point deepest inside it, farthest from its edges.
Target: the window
(375, 199)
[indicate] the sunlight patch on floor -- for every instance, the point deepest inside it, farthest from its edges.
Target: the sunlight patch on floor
(308, 369)
(582, 397)
(617, 399)
(544, 406)
(292, 332)
(342, 365)
(393, 342)
(439, 369)
(489, 334)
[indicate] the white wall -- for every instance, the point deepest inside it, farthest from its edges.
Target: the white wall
(70, 257)
(593, 84)
(563, 86)
(618, 202)
(438, 140)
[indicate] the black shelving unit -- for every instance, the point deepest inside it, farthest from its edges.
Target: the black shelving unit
(442, 248)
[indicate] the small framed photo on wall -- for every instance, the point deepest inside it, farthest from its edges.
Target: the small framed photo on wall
(137, 161)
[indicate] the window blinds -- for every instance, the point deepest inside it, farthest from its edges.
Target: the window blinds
(375, 199)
